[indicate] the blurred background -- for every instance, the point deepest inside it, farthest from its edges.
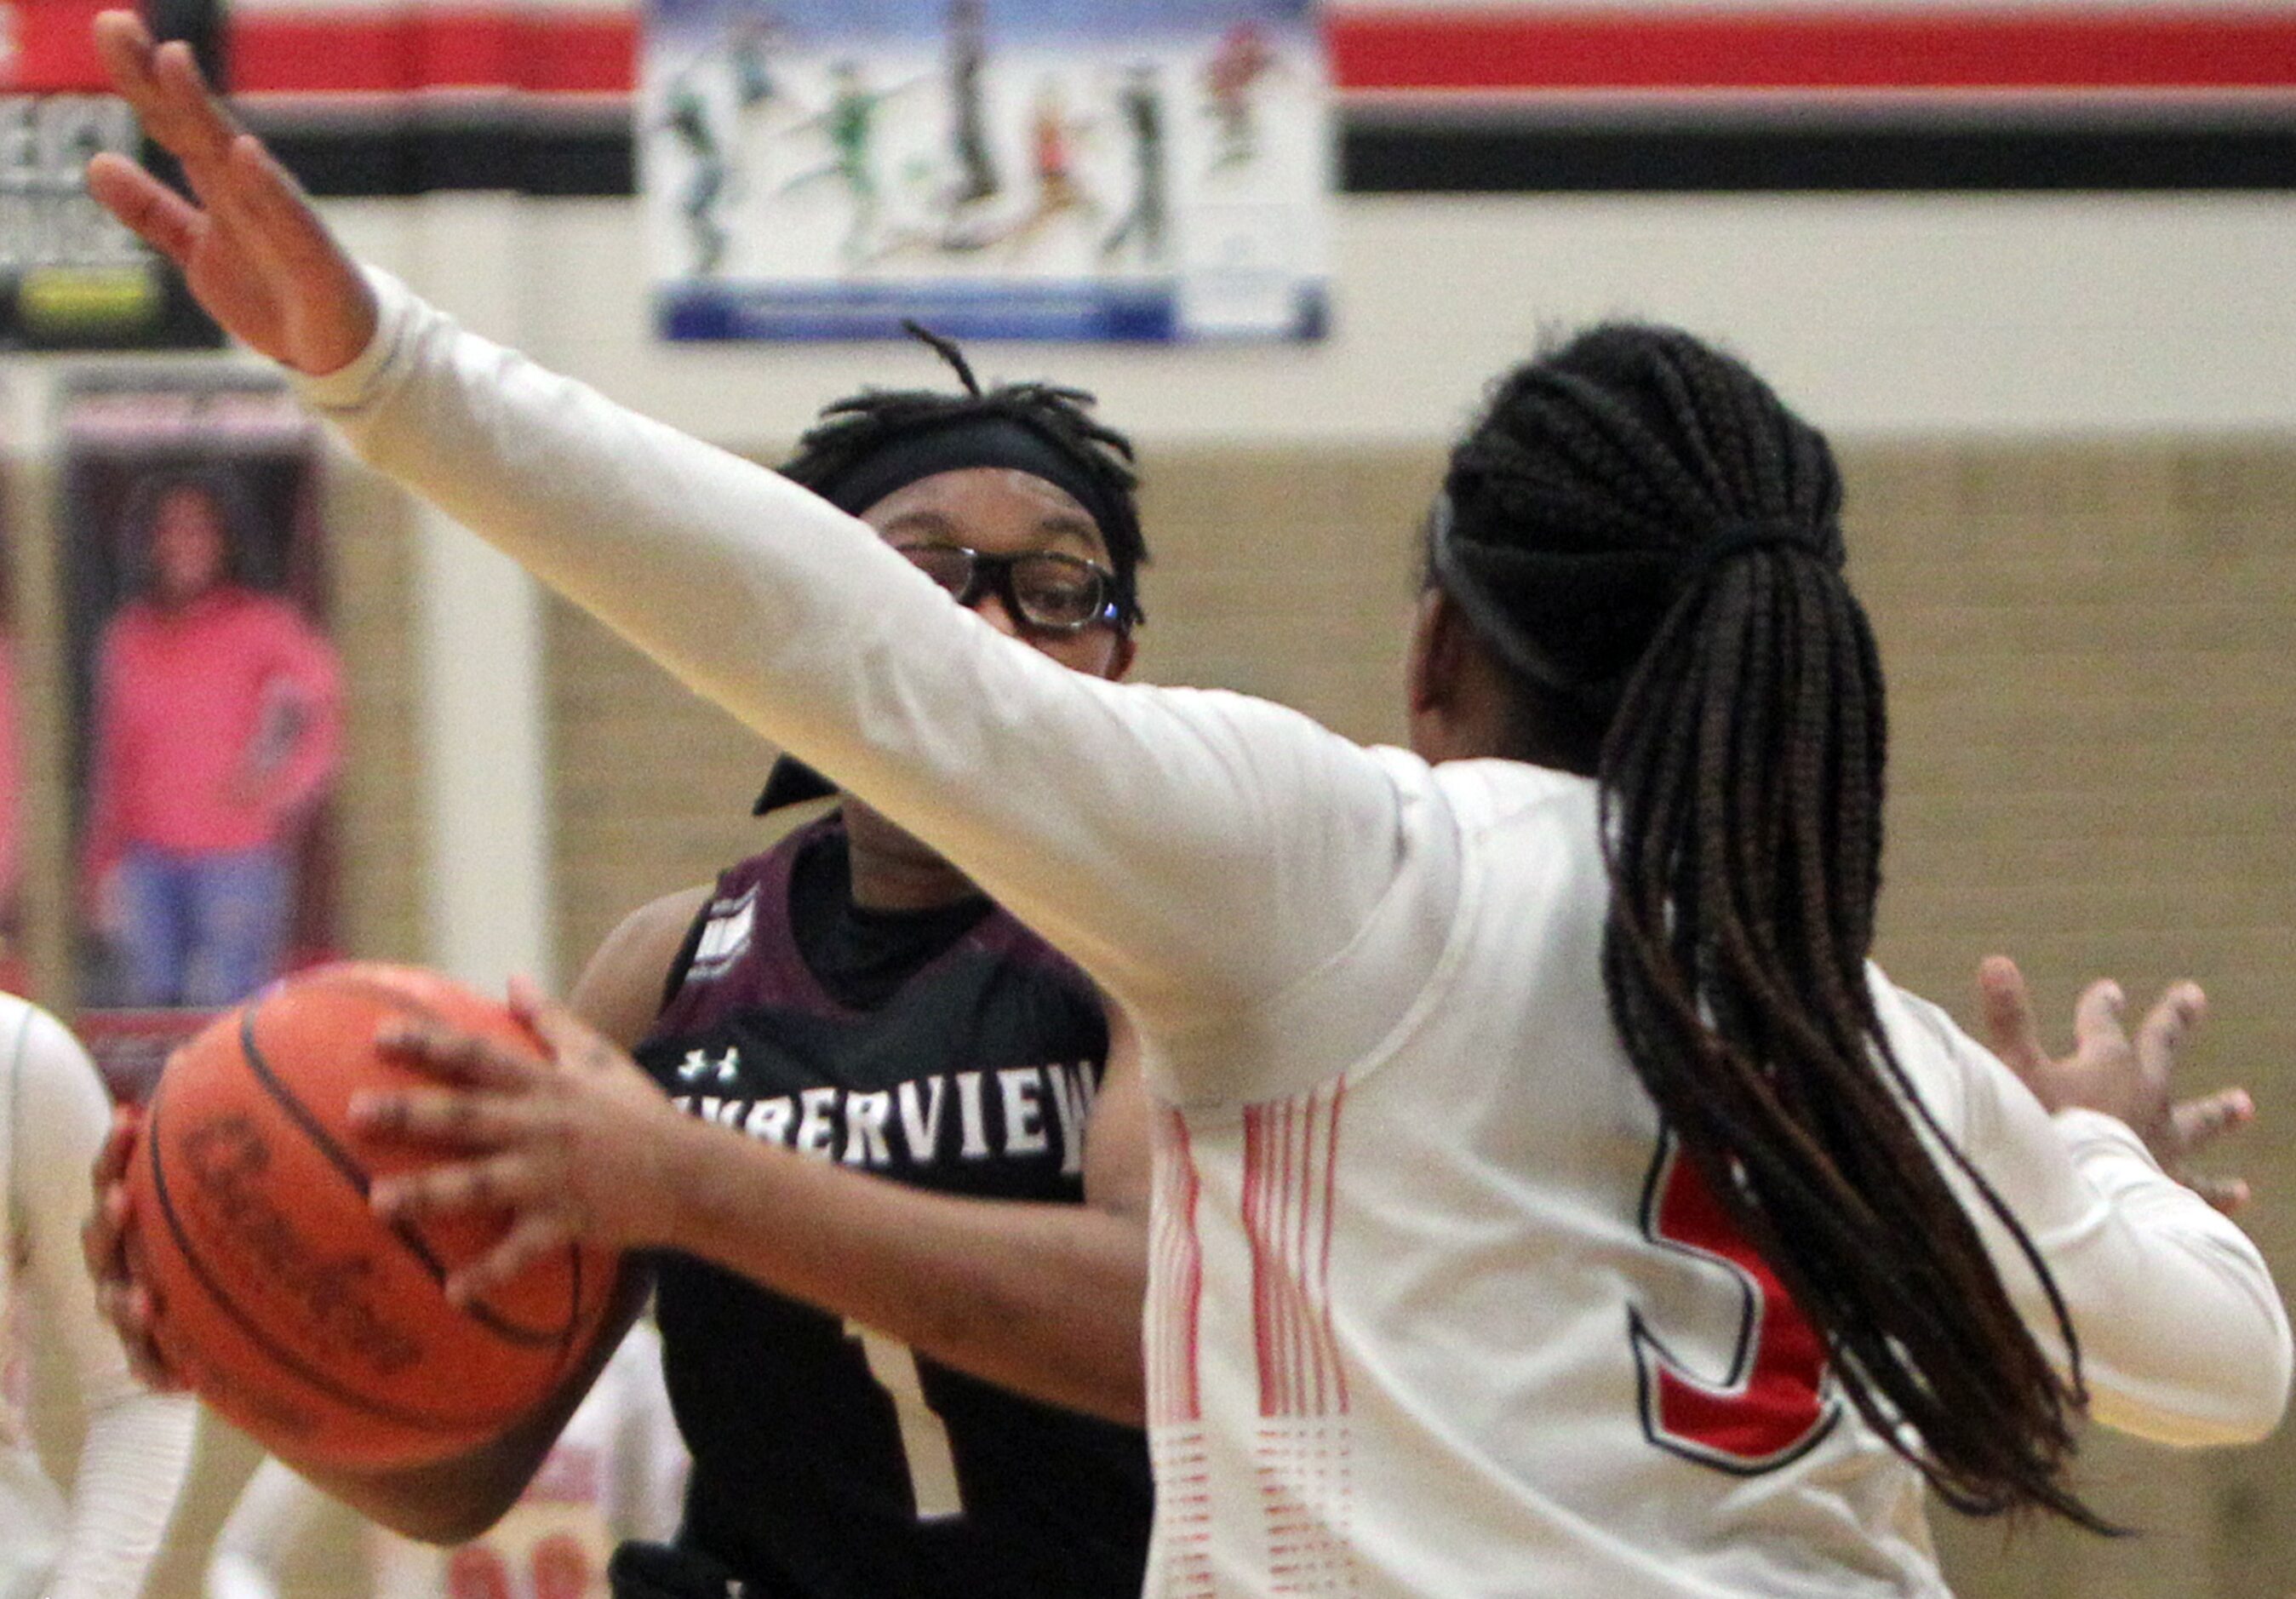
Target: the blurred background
(2032, 266)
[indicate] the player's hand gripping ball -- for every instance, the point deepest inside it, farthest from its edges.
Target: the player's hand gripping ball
(286, 1302)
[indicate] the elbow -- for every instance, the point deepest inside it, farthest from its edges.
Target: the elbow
(2239, 1401)
(2266, 1404)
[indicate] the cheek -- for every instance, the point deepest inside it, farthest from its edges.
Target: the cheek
(1092, 651)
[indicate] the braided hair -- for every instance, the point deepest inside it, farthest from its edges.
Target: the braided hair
(1651, 543)
(851, 430)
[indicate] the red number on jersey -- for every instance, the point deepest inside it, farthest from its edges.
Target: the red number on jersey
(1772, 1406)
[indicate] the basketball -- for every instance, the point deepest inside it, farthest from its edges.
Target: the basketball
(287, 1305)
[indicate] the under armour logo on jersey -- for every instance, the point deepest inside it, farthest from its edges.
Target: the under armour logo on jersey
(698, 1064)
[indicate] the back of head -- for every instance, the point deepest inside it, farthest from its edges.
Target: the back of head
(1651, 543)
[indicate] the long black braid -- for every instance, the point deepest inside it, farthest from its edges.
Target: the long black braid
(1652, 542)
(852, 429)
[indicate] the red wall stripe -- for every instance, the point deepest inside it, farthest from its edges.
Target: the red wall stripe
(1850, 49)
(314, 52)
(55, 52)
(1657, 48)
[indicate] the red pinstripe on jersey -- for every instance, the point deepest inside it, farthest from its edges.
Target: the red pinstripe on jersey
(1177, 1265)
(1289, 1160)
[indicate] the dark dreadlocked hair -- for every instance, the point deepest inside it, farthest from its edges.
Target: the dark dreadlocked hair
(851, 429)
(1651, 541)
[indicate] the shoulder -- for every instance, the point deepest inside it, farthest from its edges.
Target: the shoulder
(1484, 792)
(620, 991)
(126, 627)
(1950, 1070)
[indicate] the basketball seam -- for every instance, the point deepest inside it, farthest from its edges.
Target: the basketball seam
(353, 1173)
(417, 1421)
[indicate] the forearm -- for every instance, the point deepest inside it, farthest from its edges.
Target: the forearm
(1044, 1299)
(2188, 1342)
(454, 1501)
(132, 1463)
(1177, 845)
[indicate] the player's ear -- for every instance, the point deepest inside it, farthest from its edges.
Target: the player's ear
(1121, 659)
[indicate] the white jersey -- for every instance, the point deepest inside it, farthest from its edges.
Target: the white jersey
(618, 1471)
(1428, 1311)
(99, 1541)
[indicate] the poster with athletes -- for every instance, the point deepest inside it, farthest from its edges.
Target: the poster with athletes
(72, 277)
(1100, 169)
(204, 695)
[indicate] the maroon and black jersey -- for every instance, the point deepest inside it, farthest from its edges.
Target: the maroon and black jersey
(951, 1049)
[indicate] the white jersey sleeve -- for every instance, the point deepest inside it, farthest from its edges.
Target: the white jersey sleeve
(1196, 852)
(138, 1444)
(2182, 1338)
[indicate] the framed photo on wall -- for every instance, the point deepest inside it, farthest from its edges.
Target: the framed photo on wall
(206, 694)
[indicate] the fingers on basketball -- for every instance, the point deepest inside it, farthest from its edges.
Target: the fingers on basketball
(456, 1057)
(532, 1238)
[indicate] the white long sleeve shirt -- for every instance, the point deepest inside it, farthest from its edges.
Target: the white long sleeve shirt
(1430, 1310)
(99, 1541)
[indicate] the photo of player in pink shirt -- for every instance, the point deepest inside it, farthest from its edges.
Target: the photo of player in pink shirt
(216, 724)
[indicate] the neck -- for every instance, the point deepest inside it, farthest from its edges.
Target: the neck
(892, 870)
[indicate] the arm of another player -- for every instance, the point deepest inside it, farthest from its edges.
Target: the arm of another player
(1044, 1299)
(138, 1444)
(2182, 1338)
(451, 1501)
(1198, 854)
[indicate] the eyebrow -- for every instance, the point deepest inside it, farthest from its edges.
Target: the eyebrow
(1055, 524)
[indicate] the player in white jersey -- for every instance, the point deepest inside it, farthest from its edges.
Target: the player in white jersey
(618, 1471)
(1550, 1197)
(99, 1541)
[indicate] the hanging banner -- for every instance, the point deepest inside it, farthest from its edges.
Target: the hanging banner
(71, 276)
(1116, 169)
(205, 696)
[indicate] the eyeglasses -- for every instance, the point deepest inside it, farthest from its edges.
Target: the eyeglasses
(1042, 589)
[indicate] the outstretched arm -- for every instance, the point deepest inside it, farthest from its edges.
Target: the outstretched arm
(1195, 852)
(2183, 1338)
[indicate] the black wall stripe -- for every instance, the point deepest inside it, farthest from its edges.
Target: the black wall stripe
(1998, 157)
(1386, 153)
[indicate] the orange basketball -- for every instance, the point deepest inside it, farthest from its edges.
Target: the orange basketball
(286, 1302)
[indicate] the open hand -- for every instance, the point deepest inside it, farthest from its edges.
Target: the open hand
(576, 1145)
(2123, 1076)
(108, 1242)
(253, 251)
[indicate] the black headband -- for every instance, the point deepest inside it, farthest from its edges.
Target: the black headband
(962, 444)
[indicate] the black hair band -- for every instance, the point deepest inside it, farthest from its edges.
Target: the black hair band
(963, 444)
(1743, 538)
